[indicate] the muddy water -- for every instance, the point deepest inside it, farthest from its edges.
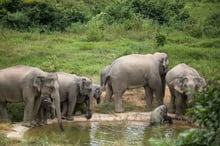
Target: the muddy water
(103, 133)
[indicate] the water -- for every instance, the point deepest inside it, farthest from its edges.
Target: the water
(104, 133)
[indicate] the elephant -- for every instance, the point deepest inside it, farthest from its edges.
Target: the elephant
(137, 70)
(159, 116)
(182, 81)
(81, 99)
(47, 109)
(29, 85)
(103, 76)
(73, 88)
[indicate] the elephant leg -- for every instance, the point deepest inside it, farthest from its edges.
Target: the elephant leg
(3, 111)
(64, 109)
(88, 110)
(118, 102)
(157, 88)
(71, 106)
(109, 93)
(172, 101)
(29, 113)
(179, 106)
(148, 96)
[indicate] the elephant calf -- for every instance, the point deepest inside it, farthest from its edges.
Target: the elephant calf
(96, 93)
(159, 116)
(71, 88)
(47, 109)
(182, 80)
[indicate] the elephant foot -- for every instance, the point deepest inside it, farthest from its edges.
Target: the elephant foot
(119, 110)
(179, 117)
(69, 118)
(171, 111)
(27, 124)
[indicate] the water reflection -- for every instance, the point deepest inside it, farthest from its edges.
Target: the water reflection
(108, 133)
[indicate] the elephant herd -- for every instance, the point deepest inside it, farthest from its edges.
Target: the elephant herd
(56, 94)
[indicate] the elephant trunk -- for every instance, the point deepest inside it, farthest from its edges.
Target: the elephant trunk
(190, 98)
(163, 82)
(58, 112)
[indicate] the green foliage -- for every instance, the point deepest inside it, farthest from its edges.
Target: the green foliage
(163, 11)
(211, 27)
(21, 15)
(161, 39)
(206, 114)
(15, 111)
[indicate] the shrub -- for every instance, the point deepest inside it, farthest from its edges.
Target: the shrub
(17, 20)
(161, 39)
(15, 111)
(206, 114)
(163, 11)
(211, 26)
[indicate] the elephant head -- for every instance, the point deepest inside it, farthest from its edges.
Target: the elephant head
(86, 89)
(47, 87)
(162, 58)
(187, 85)
(97, 91)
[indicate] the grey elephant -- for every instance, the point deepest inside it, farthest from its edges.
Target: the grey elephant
(81, 99)
(47, 109)
(159, 116)
(137, 70)
(103, 76)
(182, 81)
(29, 85)
(72, 88)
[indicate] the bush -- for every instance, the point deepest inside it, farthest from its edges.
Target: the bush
(206, 114)
(15, 111)
(161, 39)
(44, 15)
(163, 11)
(211, 26)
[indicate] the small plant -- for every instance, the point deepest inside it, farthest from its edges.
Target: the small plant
(161, 39)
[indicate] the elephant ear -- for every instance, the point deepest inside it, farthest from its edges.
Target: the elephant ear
(38, 82)
(85, 85)
(200, 83)
(178, 84)
(162, 58)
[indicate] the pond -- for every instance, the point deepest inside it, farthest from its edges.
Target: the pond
(127, 133)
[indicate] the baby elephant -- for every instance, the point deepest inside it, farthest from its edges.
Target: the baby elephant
(46, 110)
(159, 116)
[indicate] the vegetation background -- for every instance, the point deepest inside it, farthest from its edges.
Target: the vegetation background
(83, 36)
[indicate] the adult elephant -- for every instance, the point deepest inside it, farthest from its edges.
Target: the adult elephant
(137, 70)
(71, 88)
(31, 85)
(182, 80)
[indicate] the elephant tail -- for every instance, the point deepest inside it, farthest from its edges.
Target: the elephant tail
(106, 80)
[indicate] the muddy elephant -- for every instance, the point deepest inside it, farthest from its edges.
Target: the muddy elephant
(159, 116)
(29, 85)
(182, 81)
(72, 88)
(137, 70)
(84, 99)
(47, 110)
